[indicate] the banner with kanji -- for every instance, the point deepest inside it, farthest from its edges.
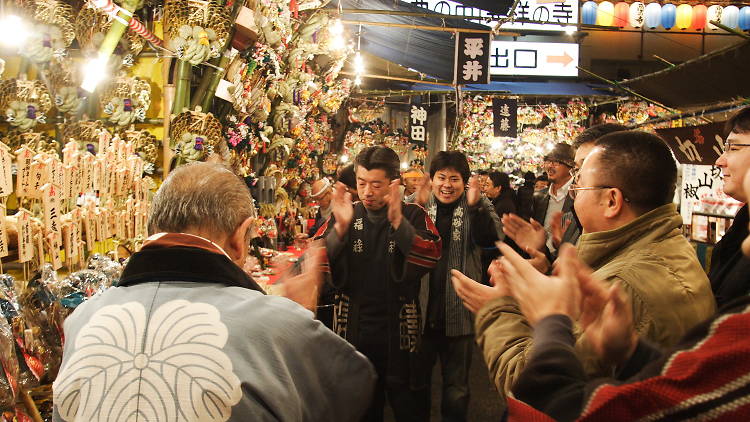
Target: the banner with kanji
(695, 144)
(418, 125)
(472, 59)
(504, 117)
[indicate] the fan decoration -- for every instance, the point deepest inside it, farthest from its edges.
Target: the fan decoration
(63, 82)
(52, 32)
(86, 133)
(195, 29)
(91, 26)
(146, 147)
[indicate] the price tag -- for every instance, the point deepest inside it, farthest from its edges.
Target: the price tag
(89, 226)
(53, 240)
(3, 233)
(52, 200)
(39, 176)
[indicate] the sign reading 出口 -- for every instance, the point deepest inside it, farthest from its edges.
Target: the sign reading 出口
(695, 144)
(534, 58)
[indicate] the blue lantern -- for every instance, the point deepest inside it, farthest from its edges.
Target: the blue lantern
(730, 16)
(588, 13)
(668, 16)
(744, 18)
(653, 15)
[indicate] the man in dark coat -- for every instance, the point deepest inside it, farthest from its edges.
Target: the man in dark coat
(730, 270)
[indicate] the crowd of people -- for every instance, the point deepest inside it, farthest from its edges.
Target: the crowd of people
(584, 297)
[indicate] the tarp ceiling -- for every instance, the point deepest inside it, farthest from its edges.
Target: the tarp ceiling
(716, 77)
(556, 88)
(429, 52)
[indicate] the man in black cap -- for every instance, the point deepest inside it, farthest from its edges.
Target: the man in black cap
(557, 164)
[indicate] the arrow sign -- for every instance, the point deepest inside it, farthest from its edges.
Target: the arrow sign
(565, 59)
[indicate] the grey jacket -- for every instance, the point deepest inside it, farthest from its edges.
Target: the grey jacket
(205, 351)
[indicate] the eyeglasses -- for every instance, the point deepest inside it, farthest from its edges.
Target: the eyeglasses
(573, 190)
(729, 145)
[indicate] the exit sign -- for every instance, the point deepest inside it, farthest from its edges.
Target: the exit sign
(533, 58)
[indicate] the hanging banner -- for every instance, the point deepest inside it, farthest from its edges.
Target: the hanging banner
(472, 59)
(702, 191)
(504, 117)
(418, 125)
(695, 144)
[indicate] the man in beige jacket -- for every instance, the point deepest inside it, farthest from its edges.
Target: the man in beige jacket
(631, 235)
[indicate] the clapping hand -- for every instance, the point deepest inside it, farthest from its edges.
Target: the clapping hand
(305, 287)
(474, 294)
(527, 235)
(343, 210)
(539, 295)
(422, 195)
(557, 228)
(474, 192)
(393, 200)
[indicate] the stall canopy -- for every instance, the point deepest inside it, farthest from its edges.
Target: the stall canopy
(709, 79)
(428, 52)
(557, 88)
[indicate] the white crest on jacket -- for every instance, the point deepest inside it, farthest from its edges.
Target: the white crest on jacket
(169, 368)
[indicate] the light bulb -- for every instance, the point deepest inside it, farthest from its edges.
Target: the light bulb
(496, 145)
(357, 80)
(404, 165)
(13, 31)
(570, 30)
(94, 72)
(336, 28)
(344, 158)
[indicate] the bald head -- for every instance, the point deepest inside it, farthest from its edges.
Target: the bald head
(321, 192)
(201, 198)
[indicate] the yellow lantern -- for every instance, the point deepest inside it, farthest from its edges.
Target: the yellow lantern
(684, 16)
(605, 14)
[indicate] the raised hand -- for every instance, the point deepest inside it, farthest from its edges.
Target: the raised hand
(394, 205)
(527, 235)
(539, 295)
(305, 287)
(474, 294)
(557, 228)
(422, 195)
(343, 210)
(474, 192)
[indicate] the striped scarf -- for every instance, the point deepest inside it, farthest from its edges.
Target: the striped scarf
(458, 320)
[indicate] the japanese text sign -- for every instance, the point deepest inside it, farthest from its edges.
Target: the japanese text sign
(534, 58)
(418, 124)
(504, 117)
(695, 144)
(472, 59)
(550, 15)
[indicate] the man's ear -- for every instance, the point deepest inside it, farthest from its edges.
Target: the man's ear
(237, 241)
(615, 202)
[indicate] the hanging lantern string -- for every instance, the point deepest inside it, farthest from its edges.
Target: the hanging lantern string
(108, 7)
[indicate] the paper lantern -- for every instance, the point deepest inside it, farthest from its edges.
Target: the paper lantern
(730, 16)
(605, 13)
(636, 17)
(588, 13)
(622, 12)
(684, 16)
(744, 18)
(713, 14)
(699, 16)
(653, 15)
(668, 16)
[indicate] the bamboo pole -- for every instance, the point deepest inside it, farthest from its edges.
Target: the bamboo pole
(30, 406)
(425, 27)
(395, 78)
(168, 93)
(182, 86)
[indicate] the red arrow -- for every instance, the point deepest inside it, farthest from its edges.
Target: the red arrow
(565, 59)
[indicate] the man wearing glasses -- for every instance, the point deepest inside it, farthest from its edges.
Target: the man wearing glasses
(729, 267)
(631, 236)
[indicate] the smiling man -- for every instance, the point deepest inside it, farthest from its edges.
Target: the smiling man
(548, 203)
(729, 267)
(631, 236)
(467, 222)
(378, 250)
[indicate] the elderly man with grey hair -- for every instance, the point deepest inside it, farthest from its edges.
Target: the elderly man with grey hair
(187, 335)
